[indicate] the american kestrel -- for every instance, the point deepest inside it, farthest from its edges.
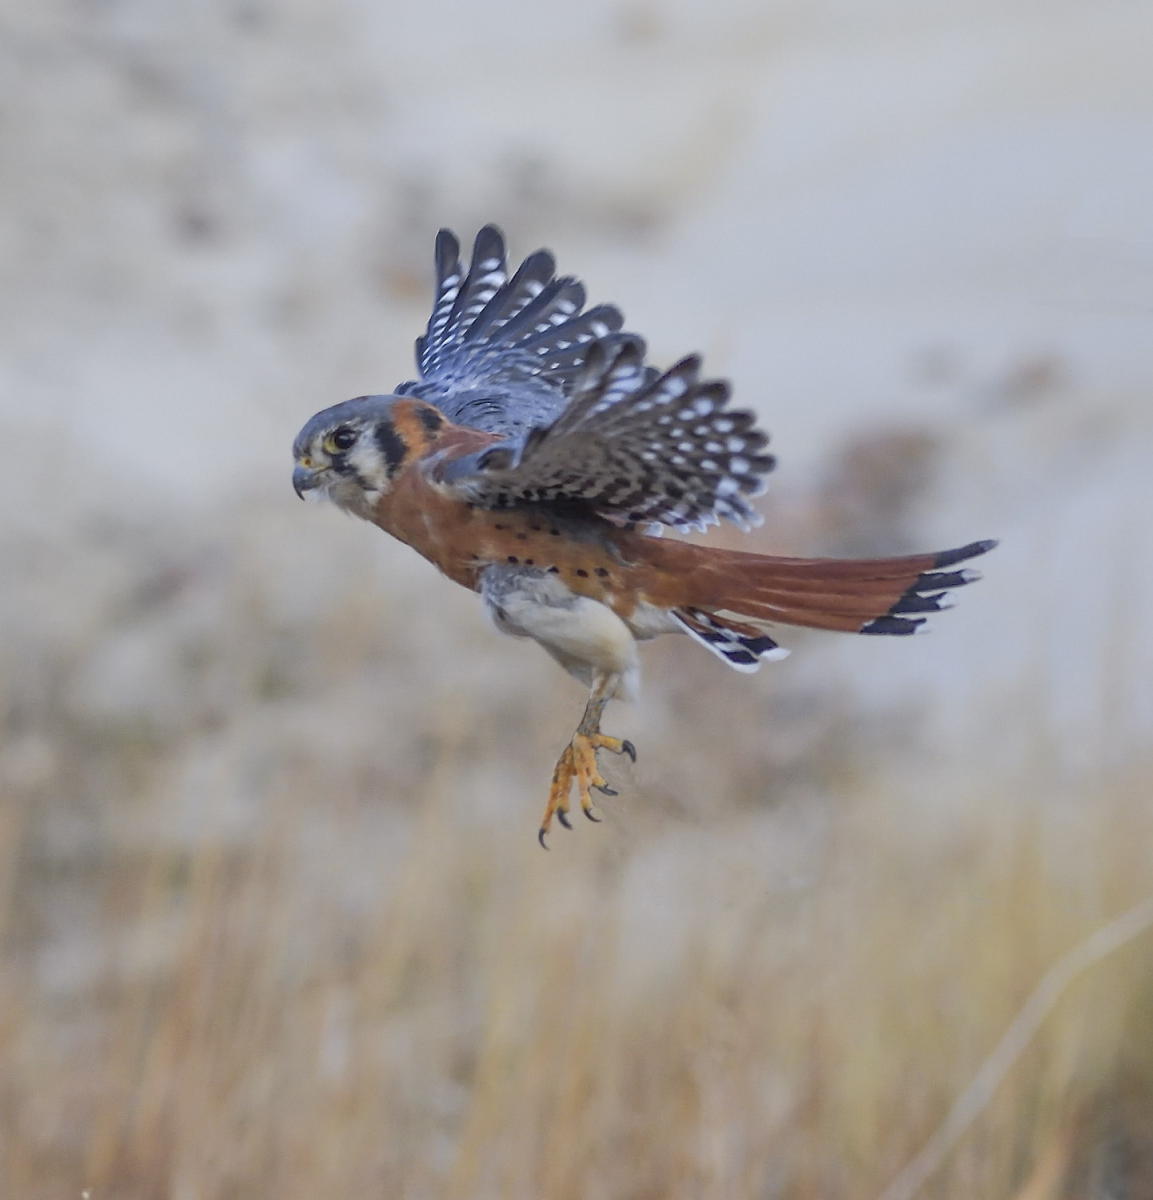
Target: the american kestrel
(537, 458)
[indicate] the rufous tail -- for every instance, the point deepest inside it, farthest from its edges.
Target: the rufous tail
(730, 595)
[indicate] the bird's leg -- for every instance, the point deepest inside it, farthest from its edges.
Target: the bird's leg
(578, 760)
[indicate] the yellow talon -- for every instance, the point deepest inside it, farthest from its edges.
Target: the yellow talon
(578, 761)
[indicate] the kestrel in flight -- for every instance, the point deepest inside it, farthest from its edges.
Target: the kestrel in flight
(537, 458)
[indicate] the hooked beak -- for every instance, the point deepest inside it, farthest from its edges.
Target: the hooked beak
(304, 479)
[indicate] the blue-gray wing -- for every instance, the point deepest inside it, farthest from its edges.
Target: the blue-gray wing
(502, 353)
(631, 446)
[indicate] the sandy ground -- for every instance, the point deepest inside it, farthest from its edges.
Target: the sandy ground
(274, 921)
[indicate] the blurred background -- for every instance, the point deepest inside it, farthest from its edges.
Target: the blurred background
(273, 917)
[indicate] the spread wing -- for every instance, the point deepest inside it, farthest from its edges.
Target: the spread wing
(502, 354)
(630, 445)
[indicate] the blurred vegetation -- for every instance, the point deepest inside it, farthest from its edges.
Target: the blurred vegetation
(275, 921)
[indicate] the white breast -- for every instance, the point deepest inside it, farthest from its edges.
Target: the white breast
(583, 635)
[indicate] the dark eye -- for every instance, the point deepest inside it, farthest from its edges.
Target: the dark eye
(343, 437)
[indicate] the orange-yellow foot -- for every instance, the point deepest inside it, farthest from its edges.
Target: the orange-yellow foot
(579, 761)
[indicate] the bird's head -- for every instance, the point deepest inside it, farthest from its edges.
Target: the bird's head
(352, 451)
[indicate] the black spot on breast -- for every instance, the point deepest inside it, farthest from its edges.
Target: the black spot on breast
(602, 572)
(512, 558)
(554, 570)
(582, 572)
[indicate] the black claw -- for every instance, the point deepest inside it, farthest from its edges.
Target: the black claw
(605, 790)
(562, 817)
(628, 748)
(540, 838)
(588, 812)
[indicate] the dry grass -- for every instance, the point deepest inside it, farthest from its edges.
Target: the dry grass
(275, 922)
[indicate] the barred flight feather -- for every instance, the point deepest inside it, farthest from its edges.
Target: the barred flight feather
(742, 646)
(633, 446)
(503, 353)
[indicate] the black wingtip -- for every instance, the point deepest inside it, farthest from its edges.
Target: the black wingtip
(489, 243)
(623, 348)
(608, 314)
(447, 251)
(577, 294)
(689, 365)
(540, 264)
(947, 557)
